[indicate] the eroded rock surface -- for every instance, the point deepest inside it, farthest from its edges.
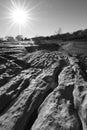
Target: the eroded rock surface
(42, 90)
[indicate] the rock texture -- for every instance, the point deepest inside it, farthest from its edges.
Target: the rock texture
(43, 90)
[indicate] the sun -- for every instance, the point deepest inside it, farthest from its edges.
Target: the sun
(19, 16)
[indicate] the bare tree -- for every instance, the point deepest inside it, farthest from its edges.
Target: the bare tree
(59, 31)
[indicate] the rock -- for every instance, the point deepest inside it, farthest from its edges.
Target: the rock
(42, 90)
(26, 91)
(61, 109)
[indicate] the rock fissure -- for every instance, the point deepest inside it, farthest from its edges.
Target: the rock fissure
(51, 87)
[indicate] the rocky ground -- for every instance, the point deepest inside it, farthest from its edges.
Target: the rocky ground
(42, 90)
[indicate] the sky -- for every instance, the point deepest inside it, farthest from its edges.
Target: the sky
(47, 16)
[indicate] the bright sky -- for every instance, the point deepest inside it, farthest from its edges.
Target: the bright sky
(47, 17)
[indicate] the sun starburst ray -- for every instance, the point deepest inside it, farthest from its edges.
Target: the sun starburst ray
(20, 15)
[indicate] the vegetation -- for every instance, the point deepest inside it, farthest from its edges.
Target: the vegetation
(80, 35)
